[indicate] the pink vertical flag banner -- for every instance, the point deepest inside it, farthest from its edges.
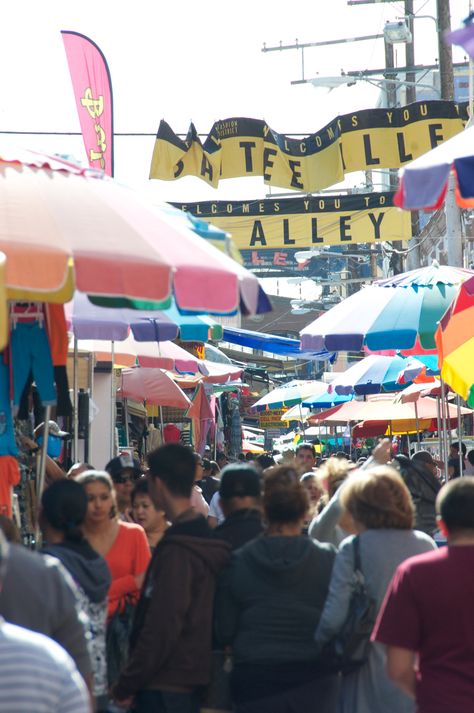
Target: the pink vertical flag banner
(93, 93)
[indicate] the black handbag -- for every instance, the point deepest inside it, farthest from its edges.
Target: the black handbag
(350, 648)
(117, 639)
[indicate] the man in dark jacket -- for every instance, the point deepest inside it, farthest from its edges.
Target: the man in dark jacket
(239, 494)
(172, 634)
(419, 475)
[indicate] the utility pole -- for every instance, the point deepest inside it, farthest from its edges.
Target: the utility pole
(410, 53)
(445, 51)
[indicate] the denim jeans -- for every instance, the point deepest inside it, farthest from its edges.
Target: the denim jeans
(166, 702)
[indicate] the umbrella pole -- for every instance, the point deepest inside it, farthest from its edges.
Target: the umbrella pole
(438, 418)
(75, 417)
(40, 476)
(302, 423)
(161, 424)
(461, 459)
(417, 428)
(350, 441)
(444, 429)
(112, 401)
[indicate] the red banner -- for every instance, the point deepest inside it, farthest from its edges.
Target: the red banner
(93, 93)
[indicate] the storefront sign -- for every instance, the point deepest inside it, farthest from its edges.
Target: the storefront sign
(272, 418)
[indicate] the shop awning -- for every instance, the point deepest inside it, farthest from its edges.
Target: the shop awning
(283, 346)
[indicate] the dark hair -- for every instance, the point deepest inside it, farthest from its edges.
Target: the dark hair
(214, 468)
(455, 504)
(306, 446)
(285, 499)
(206, 464)
(470, 456)
(64, 507)
(378, 498)
(455, 444)
(174, 465)
(265, 461)
(140, 488)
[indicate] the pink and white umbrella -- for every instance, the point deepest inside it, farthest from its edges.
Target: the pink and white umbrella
(62, 224)
(153, 386)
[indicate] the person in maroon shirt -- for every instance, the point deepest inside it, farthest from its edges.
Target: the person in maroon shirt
(427, 618)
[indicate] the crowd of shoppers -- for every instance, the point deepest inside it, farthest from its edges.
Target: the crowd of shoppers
(265, 577)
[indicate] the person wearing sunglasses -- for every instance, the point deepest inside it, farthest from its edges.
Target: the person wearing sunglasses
(124, 471)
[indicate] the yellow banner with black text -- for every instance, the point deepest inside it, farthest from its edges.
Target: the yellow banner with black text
(364, 140)
(307, 222)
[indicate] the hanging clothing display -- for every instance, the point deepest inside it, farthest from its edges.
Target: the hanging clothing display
(30, 351)
(7, 433)
(9, 477)
(59, 344)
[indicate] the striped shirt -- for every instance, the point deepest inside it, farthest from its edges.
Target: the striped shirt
(37, 675)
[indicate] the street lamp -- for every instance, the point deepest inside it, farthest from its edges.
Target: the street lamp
(397, 31)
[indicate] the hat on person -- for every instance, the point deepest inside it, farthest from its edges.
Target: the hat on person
(239, 481)
(426, 458)
(117, 465)
(53, 430)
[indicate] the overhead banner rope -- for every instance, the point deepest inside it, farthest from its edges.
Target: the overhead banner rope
(364, 140)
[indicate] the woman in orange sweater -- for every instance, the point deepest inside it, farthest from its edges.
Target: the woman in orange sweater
(123, 544)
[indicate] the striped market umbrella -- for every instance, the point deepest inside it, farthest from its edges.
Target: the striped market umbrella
(397, 313)
(455, 342)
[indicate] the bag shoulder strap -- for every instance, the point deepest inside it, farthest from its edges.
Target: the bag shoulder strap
(356, 548)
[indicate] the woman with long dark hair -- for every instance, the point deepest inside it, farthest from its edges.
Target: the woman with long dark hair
(63, 511)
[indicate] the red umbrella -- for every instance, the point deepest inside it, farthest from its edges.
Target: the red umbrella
(153, 386)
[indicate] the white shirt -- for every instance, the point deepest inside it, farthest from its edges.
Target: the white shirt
(37, 674)
(215, 509)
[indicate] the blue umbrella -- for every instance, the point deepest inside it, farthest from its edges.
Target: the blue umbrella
(327, 400)
(370, 375)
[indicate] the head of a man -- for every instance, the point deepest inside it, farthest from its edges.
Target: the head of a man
(305, 457)
(221, 459)
(124, 471)
(240, 488)
(454, 449)
(455, 508)
(171, 478)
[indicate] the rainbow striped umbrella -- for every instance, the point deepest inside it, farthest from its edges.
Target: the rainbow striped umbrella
(455, 342)
(397, 313)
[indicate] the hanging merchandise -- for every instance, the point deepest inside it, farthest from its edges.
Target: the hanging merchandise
(7, 434)
(30, 351)
(171, 433)
(9, 477)
(59, 344)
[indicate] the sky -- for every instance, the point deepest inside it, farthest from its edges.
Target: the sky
(193, 61)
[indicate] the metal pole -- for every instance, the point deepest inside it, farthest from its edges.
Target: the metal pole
(417, 447)
(453, 226)
(461, 458)
(75, 418)
(112, 401)
(438, 417)
(302, 423)
(40, 476)
(91, 396)
(444, 429)
(161, 424)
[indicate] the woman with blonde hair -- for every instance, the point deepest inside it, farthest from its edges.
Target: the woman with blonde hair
(383, 514)
(332, 524)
